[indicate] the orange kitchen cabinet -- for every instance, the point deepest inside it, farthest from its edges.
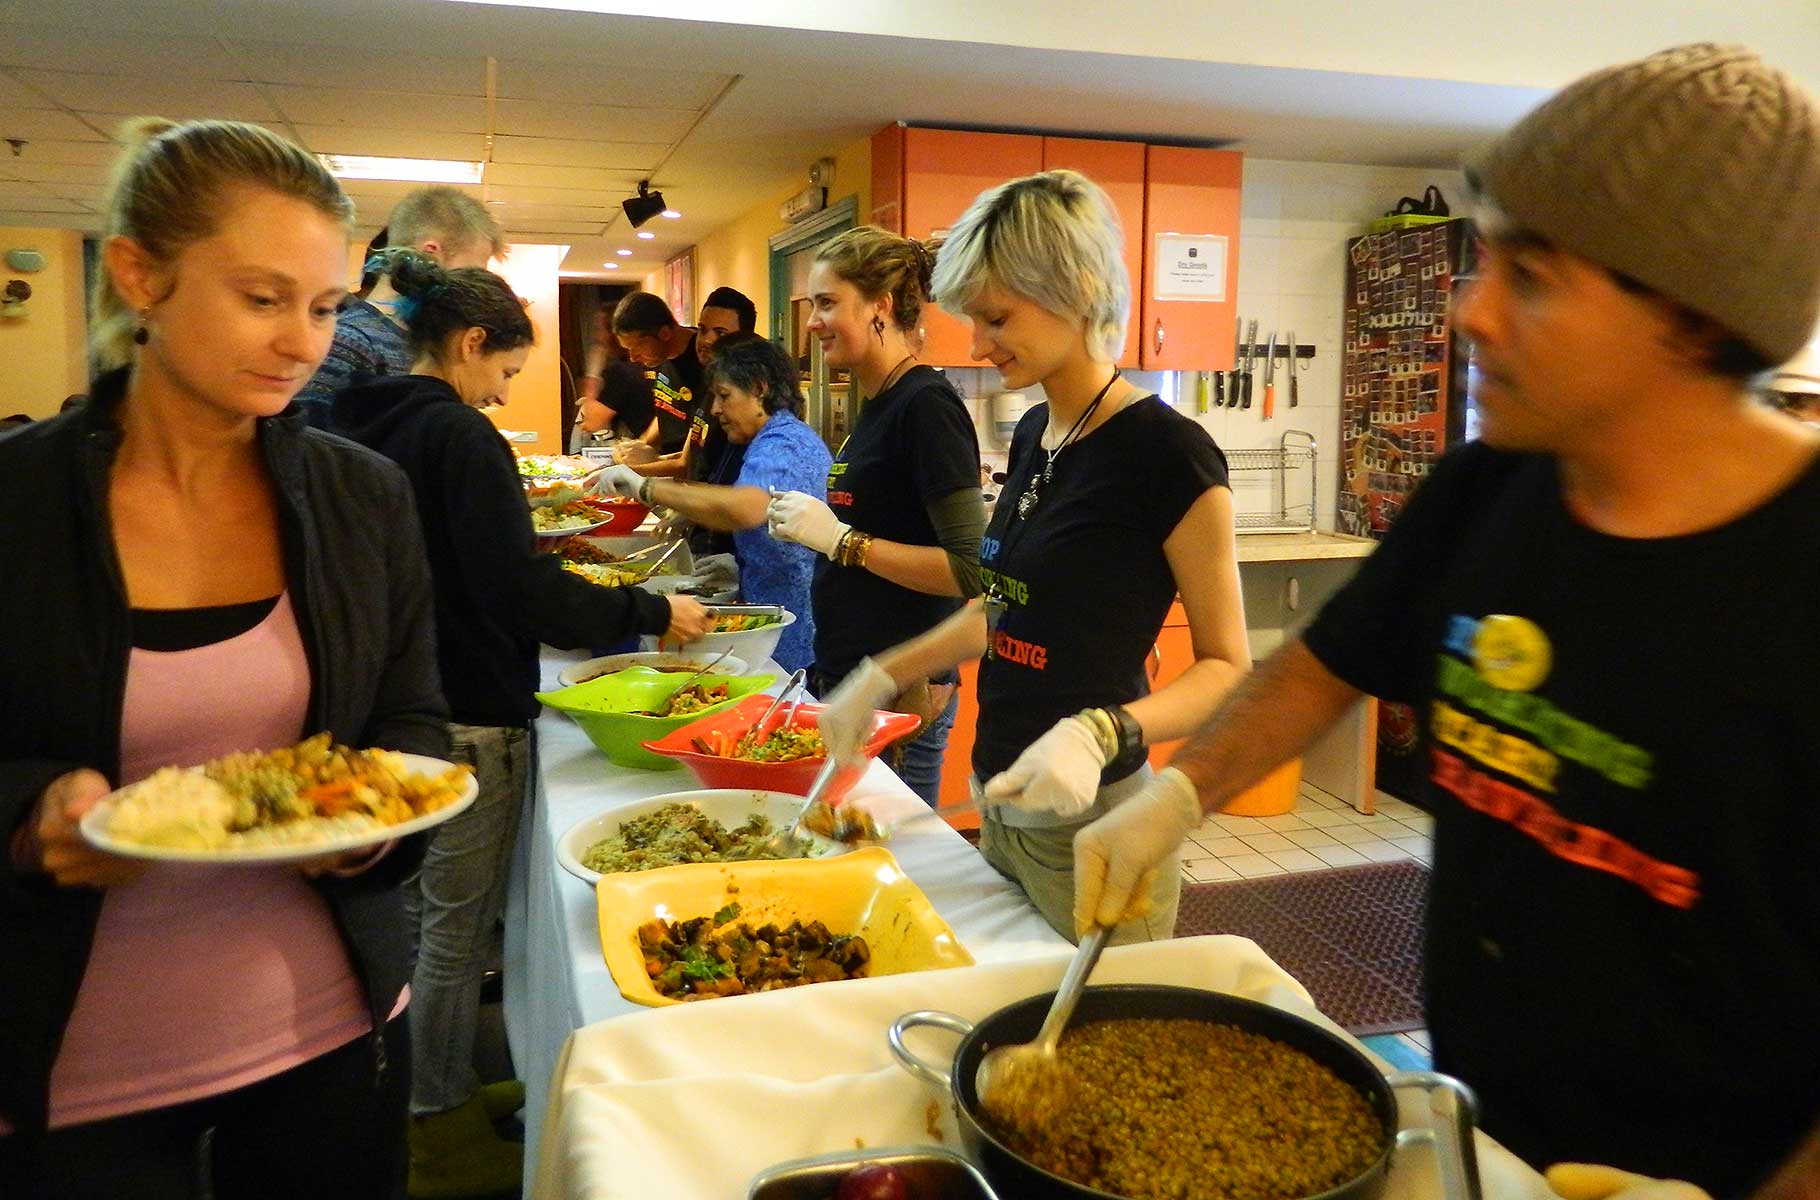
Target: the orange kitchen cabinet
(1118, 167)
(930, 177)
(1189, 193)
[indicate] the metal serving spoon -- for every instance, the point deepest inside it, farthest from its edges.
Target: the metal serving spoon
(664, 710)
(1024, 1085)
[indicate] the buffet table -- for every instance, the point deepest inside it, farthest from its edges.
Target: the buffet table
(556, 980)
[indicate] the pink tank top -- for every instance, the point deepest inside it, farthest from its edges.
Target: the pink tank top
(204, 979)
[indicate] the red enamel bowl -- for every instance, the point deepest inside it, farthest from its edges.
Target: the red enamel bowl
(795, 777)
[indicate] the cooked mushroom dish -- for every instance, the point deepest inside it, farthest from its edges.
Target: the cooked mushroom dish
(706, 957)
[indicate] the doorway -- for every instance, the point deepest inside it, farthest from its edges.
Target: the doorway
(827, 394)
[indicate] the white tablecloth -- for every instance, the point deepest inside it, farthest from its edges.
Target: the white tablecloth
(694, 1100)
(557, 982)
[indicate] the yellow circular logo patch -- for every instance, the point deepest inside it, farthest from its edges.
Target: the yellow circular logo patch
(1511, 652)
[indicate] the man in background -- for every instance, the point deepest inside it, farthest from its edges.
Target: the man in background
(442, 222)
(1603, 611)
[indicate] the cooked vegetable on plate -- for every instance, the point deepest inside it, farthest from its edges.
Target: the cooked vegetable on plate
(677, 833)
(312, 792)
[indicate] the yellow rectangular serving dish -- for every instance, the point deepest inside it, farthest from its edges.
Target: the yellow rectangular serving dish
(864, 892)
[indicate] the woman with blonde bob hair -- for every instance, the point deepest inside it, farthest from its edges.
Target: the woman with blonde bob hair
(207, 575)
(1113, 504)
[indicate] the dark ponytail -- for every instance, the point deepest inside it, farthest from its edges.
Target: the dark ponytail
(436, 303)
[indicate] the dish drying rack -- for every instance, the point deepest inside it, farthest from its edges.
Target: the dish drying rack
(1273, 487)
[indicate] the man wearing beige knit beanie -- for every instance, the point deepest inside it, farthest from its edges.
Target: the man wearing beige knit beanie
(1605, 612)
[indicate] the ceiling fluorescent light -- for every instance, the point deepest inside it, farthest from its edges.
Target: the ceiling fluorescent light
(415, 170)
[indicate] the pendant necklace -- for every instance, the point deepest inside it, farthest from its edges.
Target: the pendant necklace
(1027, 501)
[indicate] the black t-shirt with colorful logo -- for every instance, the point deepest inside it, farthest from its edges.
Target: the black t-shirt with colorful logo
(912, 445)
(1624, 930)
(1083, 579)
(677, 391)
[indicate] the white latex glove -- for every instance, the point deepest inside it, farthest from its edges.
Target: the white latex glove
(671, 526)
(1587, 1181)
(614, 481)
(1116, 857)
(1058, 773)
(717, 571)
(801, 518)
(846, 718)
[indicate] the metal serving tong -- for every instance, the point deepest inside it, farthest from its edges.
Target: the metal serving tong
(669, 703)
(797, 678)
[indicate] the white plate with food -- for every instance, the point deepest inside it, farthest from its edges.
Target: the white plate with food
(683, 827)
(667, 661)
(287, 805)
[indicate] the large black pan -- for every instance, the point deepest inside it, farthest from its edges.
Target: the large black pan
(1450, 1101)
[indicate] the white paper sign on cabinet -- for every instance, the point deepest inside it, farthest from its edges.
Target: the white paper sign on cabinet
(1190, 266)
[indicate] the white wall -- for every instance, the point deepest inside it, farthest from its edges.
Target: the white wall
(1293, 229)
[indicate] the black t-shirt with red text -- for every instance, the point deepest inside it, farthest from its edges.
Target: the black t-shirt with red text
(1083, 577)
(1623, 946)
(912, 445)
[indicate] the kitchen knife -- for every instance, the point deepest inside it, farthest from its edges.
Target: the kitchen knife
(1238, 363)
(1270, 376)
(1251, 360)
(1200, 392)
(1219, 389)
(1293, 369)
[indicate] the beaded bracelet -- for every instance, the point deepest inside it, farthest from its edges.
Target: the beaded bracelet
(644, 489)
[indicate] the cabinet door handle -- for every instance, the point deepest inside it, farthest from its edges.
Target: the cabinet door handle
(1159, 335)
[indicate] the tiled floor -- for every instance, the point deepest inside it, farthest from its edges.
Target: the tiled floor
(1321, 831)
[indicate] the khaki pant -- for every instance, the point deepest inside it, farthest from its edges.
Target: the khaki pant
(1041, 861)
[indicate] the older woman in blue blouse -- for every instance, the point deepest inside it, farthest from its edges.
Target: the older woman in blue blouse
(757, 394)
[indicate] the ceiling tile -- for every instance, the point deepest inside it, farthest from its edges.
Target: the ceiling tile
(29, 217)
(534, 213)
(532, 193)
(90, 92)
(44, 204)
(55, 150)
(606, 84)
(391, 143)
(90, 174)
(58, 48)
(564, 152)
(619, 184)
(553, 228)
(380, 110)
(582, 122)
(21, 189)
(45, 123)
(376, 68)
(16, 95)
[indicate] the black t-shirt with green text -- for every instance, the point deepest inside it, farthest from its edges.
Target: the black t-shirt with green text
(1623, 947)
(912, 445)
(1083, 576)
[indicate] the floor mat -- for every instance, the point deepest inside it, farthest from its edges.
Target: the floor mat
(1352, 935)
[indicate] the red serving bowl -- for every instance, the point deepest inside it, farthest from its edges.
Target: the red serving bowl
(622, 516)
(795, 777)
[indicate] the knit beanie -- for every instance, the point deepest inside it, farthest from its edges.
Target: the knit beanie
(1695, 171)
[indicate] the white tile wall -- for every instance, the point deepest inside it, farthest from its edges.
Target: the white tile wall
(1295, 220)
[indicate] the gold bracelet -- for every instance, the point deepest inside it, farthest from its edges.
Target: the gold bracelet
(862, 547)
(1107, 731)
(839, 557)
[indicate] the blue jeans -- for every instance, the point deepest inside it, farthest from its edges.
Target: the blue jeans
(455, 900)
(921, 769)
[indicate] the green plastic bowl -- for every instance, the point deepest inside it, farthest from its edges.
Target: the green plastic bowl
(605, 708)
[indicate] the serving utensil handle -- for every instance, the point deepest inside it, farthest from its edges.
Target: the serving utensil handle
(1453, 1110)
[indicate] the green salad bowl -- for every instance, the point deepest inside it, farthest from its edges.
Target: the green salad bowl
(609, 709)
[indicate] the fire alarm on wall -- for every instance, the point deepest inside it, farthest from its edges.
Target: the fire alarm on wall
(821, 172)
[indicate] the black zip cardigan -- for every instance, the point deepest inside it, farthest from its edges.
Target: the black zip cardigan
(354, 564)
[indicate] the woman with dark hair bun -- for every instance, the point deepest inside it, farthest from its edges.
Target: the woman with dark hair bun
(756, 393)
(496, 599)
